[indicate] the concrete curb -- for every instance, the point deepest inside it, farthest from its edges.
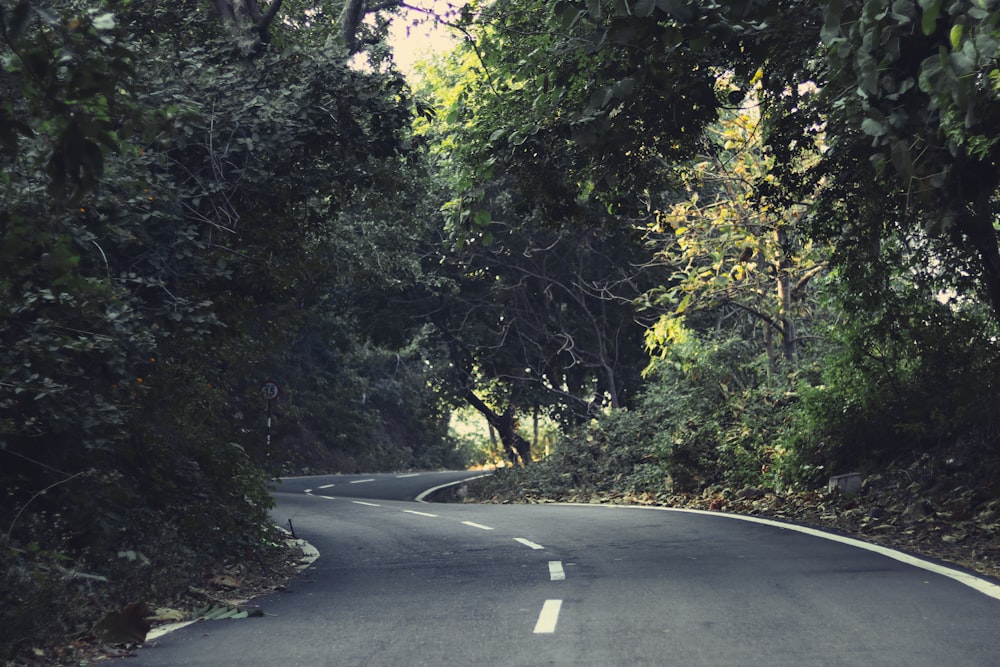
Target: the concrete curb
(422, 498)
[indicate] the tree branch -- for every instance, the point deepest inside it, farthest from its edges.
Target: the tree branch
(264, 25)
(801, 283)
(756, 313)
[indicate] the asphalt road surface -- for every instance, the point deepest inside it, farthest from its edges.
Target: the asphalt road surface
(403, 583)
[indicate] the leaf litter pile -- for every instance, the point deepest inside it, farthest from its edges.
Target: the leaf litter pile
(225, 594)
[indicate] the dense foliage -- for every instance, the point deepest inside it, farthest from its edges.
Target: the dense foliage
(185, 216)
(817, 180)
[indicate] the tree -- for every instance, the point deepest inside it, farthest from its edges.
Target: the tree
(179, 216)
(737, 251)
(538, 313)
(888, 75)
(874, 119)
(913, 88)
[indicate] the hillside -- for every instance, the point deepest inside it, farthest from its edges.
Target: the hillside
(942, 505)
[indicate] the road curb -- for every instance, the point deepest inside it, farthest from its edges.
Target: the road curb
(422, 498)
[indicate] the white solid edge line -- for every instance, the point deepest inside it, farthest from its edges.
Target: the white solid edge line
(528, 543)
(548, 617)
(965, 578)
(556, 571)
(310, 555)
(476, 525)
(162, 630)
(420, 498)
(420, 513)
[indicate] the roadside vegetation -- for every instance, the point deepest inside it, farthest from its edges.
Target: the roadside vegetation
(672, 251)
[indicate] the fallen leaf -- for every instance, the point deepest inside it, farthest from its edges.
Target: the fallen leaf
(167, 615)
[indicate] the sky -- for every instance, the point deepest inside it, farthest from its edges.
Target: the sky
(412, 43)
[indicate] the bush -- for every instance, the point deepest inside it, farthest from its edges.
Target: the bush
(719, 412)
(906, 379)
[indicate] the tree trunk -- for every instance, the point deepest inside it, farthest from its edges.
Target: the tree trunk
(516, 447)
(977, 225)
(248, 23)
(534, 429)
(788, 335)
(494, 448)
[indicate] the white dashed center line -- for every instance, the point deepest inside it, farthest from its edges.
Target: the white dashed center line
(412, 474)
(361, 502)
(420, 513)
(327, 497)
(476, 525)
(325, 486)
(528, 543)
(362, 481)
(548, 617)
(556, 571)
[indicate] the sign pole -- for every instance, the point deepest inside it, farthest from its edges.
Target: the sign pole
(269, 426)
(271, 392)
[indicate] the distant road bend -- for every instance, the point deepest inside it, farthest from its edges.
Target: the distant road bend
(405, 583)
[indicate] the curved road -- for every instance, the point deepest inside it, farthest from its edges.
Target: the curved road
(405, 583)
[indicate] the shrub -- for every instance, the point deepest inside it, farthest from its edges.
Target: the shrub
(904, 379)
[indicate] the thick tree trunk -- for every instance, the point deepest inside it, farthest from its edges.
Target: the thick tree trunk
(516, 447)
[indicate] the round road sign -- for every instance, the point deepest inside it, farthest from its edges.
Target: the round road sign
(271, 390)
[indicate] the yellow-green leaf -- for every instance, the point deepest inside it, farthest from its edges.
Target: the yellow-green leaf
(956, 36)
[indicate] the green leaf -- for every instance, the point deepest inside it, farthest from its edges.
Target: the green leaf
(600, 97)
(683, 305)
(929, 20)
(873, 128)
(830, 32)
(964, 61)
(482, 218)
(902, 161)
(930, 71)
(644, 8)
(678, 9)
(570, 17)
(955, 36)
